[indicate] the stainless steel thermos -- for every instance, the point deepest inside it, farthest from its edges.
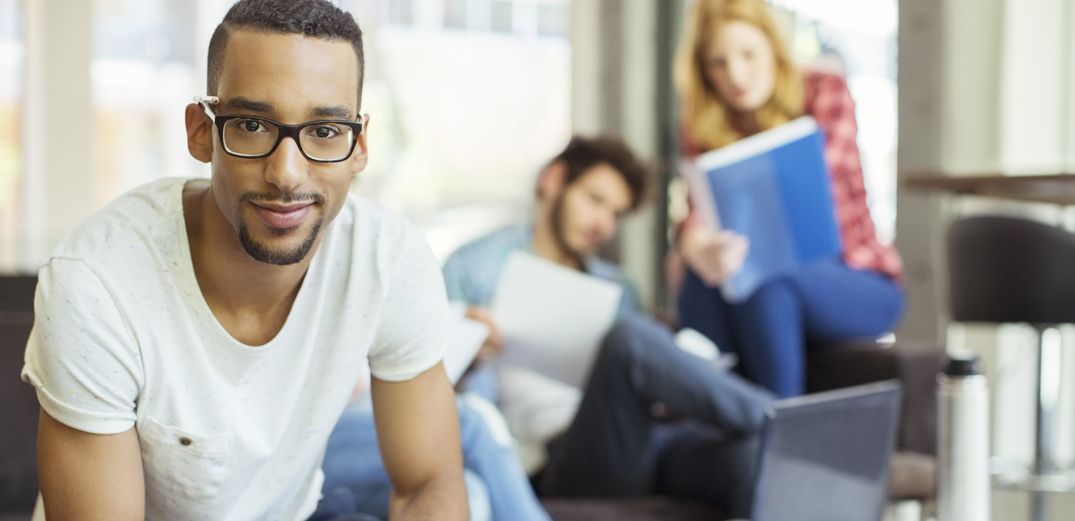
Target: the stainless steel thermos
(963, 481)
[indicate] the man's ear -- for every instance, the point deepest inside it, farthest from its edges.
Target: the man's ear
(551, 180)
(199, 133)
(360, 157)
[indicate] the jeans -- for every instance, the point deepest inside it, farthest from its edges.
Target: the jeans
(501, 489)
(821, 302)
(614, 445)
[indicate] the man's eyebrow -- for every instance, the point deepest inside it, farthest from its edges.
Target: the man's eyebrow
(336, 111)
(241, 103)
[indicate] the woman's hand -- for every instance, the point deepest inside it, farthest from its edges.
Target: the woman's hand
(714, 255)
(494, 343)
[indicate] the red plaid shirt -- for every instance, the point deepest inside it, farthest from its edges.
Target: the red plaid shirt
(829, 102)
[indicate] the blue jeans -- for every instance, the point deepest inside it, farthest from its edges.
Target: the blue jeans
(353, 462)
(823, 302)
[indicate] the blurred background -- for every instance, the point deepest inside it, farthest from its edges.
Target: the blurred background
(468, 98)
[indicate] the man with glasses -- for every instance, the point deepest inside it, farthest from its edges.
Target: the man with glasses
(196, 340)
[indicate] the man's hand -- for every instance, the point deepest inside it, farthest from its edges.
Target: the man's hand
(494, 343)
(89, 477)
(418, 431)
(714, 255)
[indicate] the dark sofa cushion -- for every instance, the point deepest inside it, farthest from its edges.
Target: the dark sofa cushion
(18, 408)
(915, 366)
(17, 293)
(18, 403)
(645, 509)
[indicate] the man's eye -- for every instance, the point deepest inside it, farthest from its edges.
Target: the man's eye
(324, 131)
(251, 125)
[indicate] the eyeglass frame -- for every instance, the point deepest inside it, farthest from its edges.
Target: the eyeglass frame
(283, 130)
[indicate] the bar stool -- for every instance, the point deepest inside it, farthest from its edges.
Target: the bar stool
(1011, 270)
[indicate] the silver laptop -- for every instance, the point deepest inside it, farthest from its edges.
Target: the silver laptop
(825, 456)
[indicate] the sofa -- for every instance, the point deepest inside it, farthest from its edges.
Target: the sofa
(18, 404)
(829, 367)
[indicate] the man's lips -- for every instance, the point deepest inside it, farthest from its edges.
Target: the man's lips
(281, 216)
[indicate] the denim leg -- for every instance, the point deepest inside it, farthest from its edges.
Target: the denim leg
(482, 381)
(824, 301)
(339, 504)
(704, 310)
(842, 303)
(604, 451)
(702, 464)
(510, 495)
(353, 461)
(774, 356)
(347, 504)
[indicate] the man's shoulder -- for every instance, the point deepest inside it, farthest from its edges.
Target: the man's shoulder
(370, 226)
(498, 242)
(133, 221)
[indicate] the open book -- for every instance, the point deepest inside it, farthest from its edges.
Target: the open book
(774, 189)
(553, 318)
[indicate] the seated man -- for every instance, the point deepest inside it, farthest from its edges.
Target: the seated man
(600, 441)
(197, 339)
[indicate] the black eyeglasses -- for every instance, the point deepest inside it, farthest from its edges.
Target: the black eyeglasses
(251, 137)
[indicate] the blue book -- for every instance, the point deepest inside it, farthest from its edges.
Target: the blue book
(773, 188)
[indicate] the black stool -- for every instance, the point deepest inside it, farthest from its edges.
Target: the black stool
(1011, 270)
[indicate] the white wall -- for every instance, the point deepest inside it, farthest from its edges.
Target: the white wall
(614, 78)
(58, 133)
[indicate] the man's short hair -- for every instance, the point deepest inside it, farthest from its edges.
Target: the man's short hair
(315, 18)
(582, 154)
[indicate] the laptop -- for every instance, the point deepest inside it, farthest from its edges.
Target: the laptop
(825, 456)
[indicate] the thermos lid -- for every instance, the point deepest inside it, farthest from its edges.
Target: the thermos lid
(963, 365)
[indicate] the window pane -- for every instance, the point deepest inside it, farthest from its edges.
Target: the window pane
(552, 19)
(401, 12)
(461, 122)
(501, 16)
(455, 14)
(142, 71)
(858, 40)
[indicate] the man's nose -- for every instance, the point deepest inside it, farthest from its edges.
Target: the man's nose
(286, 168)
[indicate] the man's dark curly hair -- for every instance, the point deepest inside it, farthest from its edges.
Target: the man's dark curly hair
(583, 153)
(316, 18)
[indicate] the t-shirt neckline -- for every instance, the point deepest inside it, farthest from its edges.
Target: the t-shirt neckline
(196, 300)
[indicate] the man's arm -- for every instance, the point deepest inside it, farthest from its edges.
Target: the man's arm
(418, 431)
(89, 477)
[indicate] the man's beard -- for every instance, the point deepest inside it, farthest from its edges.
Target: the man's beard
(260, 251)
(559, 234)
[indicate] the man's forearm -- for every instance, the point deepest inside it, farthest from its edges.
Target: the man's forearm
(440, 498)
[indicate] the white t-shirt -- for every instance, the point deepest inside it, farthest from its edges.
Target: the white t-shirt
(123, 338)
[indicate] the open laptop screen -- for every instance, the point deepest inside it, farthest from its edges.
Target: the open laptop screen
(825, 456)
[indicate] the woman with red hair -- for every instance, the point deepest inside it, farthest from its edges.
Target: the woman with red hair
(735, 78)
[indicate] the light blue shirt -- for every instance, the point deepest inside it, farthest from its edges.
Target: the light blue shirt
(472, 272)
